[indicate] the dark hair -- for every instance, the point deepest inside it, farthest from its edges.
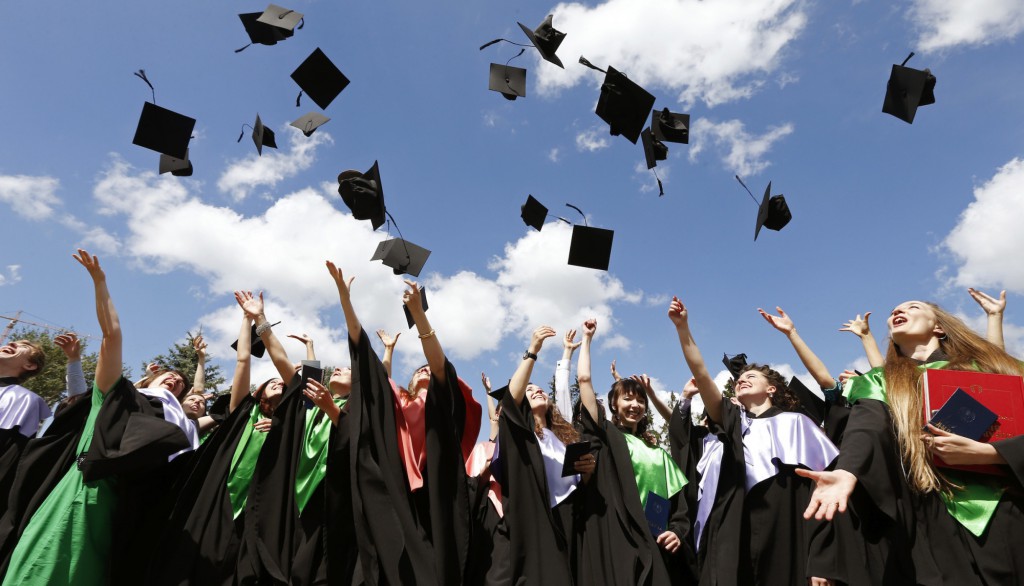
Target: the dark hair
(565, 432)
(258, 395)
(628, 386)
(783, 398)
(36, 356)
(185, 386)
(408, 388)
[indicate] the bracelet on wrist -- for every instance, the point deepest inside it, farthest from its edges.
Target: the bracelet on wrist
(427, 335)
(262, 328)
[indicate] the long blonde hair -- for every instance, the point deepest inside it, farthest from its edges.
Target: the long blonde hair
(965, 350)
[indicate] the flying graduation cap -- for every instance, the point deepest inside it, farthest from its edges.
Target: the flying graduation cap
(590, 247)
(162, 130)
(261, 33)
(320, 79)
(734, 364)
(176, 167)
(535, 213)
(670, 127)
(256, 345)
(546, 39)
(507, 80)
(654, 149)
(363, 194)
(309, 122)
(907, 90)
(811, 404)
(772, 213)
(623, 104)
(261, 136)
(402, 256)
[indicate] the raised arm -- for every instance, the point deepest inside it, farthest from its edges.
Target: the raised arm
(344, 295)
(108, 364)
(389, 348)
(307, 342)
(862, 330)
(563, 396)
(659, 405)
(517, 386)
(812, 363)
(253, 307)
(432, 350)
(709, 392)
(587, 396)
(492, 412)
(75, 376)
(243, 354)
(615, 372)
(199, 385)
(994, 309)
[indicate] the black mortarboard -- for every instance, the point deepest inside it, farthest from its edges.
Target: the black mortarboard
(310, 121)
(590, 247)
(175, 166)
(734, 364)
(654, 149)
(623, 105)
(261, 33)
(320, 78)
(546, 39)
(907, 90)
(164, 131)
(280, 18)
(509, 81)
(402, 256)
(670, 127)
(499, 393)
(811, 404)
(773, 213)
(363, 193)
(262, 136)
(423, 303)
(219, 408)
(256, 345)
(533, 213)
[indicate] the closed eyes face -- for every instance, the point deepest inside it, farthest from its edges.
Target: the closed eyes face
(170, 381)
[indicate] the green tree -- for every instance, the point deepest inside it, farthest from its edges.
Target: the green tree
(184, 358)
(660, 431)
(50, 383)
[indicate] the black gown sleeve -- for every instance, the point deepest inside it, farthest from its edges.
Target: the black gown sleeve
(870, 453)
(1012, 450)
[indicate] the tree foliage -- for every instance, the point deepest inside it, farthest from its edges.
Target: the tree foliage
(50, 384)
(184, 358)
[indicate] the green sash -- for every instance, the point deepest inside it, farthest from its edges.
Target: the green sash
(654, 469)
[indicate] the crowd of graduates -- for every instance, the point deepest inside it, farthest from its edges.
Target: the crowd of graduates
(355, 477)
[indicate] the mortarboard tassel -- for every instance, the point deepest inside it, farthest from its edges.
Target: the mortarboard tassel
(141, 74)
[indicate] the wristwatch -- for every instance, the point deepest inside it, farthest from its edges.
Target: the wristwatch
(528, 355)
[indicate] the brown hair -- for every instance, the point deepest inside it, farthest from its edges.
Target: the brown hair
(36, 356)
(965, 350)
(554, 421)
(783, 398)
(407, 389)
(630, 386)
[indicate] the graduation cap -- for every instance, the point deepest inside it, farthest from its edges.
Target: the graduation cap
(734, 364)
(907, 90)
(623, 104)
(546, 39)
(261, 136)
(507, 80)
(176, 167)
(256, 345)
(281, 18)
(423, 303)
(533, 213)
(589, 247)
(499, 394)
(363, 193)
(320, 79)
(261, 33)
(773, 211)
(670, 127)
(310, 121)
(402, 256)
(810, 404)
(164, 131)
(654, 149)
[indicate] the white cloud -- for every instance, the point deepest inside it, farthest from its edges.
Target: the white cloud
(33, 198)
(591, 140)
(947, 23)
(647, 178)
(252, 171)
(1013, 335)
(987, 237)
(13, 275)
(710, 51)
(741, 152)
(553, 155)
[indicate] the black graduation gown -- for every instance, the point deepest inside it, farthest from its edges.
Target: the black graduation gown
(12, 442)
(200, 541)
(339, 529)
(489, 560)
(686, 443)
(131, 441)
(615, 545)
(407, 538)
(760, 536)
(540, 539)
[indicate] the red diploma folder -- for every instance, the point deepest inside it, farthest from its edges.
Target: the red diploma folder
(1002, 393)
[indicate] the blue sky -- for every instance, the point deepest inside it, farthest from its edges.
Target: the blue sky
(782, 91)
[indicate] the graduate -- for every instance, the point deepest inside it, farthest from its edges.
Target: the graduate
(409, 490)
(76, 497)
(961, 527)
(539, 501)
(748, 524)
(489, 546)
(21, 410)
(616, 543)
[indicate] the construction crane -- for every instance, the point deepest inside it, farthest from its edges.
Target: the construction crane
(13, 321)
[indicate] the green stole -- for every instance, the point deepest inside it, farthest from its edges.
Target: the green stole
(654, 469)
(972, 505)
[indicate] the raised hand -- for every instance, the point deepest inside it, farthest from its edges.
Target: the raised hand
(250, 304)
(485, 381)
(991, 305)
(615, 372)
(859, 326)
(70, 345)
(567, 341)
(690, 389)
(200, 345)
(832, 491)
(539, 335)
(645, 382)
(677, 312)
(91, 264)
(590, 327)
(344, 287)
(389, 341)
(412, 298)
(846, 375)
(304, 338)
(780, 322)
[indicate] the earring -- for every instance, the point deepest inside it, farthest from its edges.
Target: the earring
(944, 337)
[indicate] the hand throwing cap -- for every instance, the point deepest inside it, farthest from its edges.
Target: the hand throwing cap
(320, 78)
(423, 304)
(546, 39)
(363, 193)
(164, 131)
